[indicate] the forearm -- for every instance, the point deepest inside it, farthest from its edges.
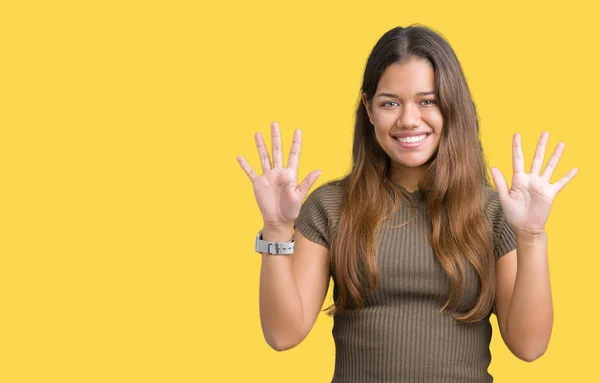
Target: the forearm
(530, 315)
(281, 310)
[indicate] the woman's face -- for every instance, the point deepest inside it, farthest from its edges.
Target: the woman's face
(407, 119)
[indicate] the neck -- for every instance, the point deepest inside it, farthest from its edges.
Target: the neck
(407, 177)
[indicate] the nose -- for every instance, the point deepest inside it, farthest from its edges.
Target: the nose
(410, 116)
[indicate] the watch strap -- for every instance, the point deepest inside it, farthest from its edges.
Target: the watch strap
(274, 248)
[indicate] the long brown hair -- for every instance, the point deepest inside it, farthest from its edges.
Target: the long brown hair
(455, 181)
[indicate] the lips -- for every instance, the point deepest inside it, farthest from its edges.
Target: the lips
(411, 134)
(410, 142)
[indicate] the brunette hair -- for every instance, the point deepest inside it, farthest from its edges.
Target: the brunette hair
(455, 182)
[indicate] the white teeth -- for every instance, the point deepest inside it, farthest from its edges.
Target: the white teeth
(412, 139)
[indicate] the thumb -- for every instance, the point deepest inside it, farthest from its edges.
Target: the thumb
(309, 181)
(500, 183)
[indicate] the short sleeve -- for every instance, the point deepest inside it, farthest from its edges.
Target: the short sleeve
(504, 237)
(319, 214)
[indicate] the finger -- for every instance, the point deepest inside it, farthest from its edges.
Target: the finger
(518, 164)
(540, 152)
(500, 182)
(553, 162)
(276, 145)
(309, 181)
(247, 168)
(561, 183)
(265, 160)
(294, 157)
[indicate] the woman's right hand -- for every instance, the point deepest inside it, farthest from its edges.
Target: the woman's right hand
(277, 192)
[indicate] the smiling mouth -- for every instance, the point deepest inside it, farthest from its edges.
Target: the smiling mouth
(412, 139)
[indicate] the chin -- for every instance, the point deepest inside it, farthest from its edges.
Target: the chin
(413, 163)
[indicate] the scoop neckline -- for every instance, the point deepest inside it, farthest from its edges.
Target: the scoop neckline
(416, 195)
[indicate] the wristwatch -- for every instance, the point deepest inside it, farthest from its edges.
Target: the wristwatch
(275, 248)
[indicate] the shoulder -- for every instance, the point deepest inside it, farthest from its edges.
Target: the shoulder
(504, 238)
(326, 200)
(320, 212)
(491, 202)
(329, 193)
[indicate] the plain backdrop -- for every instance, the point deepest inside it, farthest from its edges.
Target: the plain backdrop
(127, 225)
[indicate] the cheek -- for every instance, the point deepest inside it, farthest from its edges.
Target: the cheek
(380, 134)
(434, 119)
(384, 119)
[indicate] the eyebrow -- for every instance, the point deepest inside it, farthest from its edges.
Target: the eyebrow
(396, 96)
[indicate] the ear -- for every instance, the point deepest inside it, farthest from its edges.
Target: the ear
(367, 105)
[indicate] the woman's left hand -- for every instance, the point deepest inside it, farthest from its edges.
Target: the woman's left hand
(527, 204)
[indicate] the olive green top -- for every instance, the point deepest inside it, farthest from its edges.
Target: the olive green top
(400, 335)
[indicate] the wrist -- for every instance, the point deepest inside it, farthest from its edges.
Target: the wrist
(281, 233)
(530, 235)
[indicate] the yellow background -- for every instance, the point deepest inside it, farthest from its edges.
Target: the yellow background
(127, 226)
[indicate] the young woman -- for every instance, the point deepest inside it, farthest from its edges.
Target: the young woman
(420, 248)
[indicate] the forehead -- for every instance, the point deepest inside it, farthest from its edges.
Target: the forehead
(407, 77)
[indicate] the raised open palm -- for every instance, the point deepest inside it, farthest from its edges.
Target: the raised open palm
(277, 192)
(526, 205)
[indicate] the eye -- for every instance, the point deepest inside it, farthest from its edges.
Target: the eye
(387, 104)
(428, 102)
